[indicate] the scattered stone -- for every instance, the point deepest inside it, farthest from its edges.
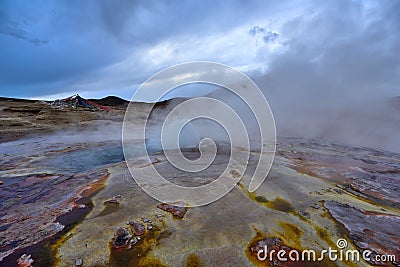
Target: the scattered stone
(178, 209)
(315, 206)
(1, 182)
(341, 186)
(78, 262)
(121, 237)
(149, 227)
(25, 261)
(145, 220)
(304, 214)
(137, 228)
(112, 201)
(338, 191)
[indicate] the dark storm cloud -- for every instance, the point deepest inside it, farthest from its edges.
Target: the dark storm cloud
(15, 29)
(267, 36)
(270, 37)
(72, 49)
(48, 47)
(255, 30)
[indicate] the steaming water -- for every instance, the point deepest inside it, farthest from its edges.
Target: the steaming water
(63, 152)
(91, 158)
(86, 159)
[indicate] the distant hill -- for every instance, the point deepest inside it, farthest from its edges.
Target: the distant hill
(112, 101)
(8, 99)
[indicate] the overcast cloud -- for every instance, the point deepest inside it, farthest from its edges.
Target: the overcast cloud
(53, 47)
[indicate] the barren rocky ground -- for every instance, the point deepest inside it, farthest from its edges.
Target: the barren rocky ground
(20, 118)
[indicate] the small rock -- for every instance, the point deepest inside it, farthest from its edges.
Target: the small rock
(121, 232)
(78, 262)
(178, 209)
(1, 182)
(112, 201)
(137, 227)
(149, 227)
(315, 206)
(121, 237)
(25, 261)
(341, 186)
(145, 220)
(338, 191)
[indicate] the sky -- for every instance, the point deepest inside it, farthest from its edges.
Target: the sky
(99, 48)
(322, 65)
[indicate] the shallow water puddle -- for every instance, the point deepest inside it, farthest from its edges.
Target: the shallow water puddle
(84, 159)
